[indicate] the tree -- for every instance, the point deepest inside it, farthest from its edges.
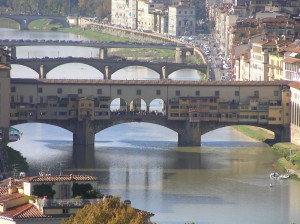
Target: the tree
(112, 211)
(84, 191)
(43, 190)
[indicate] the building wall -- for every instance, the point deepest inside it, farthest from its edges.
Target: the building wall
(182, 20)
(4, 98)
(295, 116)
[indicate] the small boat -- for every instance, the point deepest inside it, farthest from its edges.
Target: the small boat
(284, 176)
(274, 175)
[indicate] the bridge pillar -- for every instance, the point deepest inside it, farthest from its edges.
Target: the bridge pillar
(84, 133)
(284, 134)
(102, 53)
(107, 72)
(191, 135)
(179, 56)
(164, 73)
(23, 25)
(43, 72)
(13, 52)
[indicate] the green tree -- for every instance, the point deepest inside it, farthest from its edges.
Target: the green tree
(84, 191)
(111, 211)
(43, 190)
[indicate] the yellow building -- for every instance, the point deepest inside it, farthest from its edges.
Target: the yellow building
(276, 66)
(178, 108)
(86, 109)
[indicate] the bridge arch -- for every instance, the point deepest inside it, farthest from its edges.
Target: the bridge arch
(27, 72)
(136, 72)
(186, 74)
(127, 131)
(50, 21)
(138, 105)
(76, 71)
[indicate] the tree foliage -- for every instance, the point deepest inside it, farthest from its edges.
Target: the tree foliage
(91, 8)
(43, 190)
(85, 191)
(112, 211)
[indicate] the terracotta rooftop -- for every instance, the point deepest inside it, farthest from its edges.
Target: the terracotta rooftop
(295, 85)
(3, 190)
(4, 67)
(7, 197)
(60, 178)
(147, 82)
(291, 60)
(24, 211)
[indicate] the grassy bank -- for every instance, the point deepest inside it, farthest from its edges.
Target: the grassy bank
(8, 23)
(289, 154)
(255, 132)
(44, 24)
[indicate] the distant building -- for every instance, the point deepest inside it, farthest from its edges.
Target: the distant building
(182, 20)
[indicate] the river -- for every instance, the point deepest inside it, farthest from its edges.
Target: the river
(226, 180)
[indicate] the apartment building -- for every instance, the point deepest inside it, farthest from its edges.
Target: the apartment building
(182, 20)
(124, 13)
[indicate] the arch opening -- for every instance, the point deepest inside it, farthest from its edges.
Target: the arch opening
(157, 107)
(135, 73)
(186, 74)
(136, 131)
(75, 71)
(21, 71)
(138, 106)
(118, 106)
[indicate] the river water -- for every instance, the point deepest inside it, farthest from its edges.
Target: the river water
(226, 180)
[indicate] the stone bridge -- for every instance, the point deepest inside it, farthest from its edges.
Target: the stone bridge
(107, 66)
(24, 20)
(189, 133)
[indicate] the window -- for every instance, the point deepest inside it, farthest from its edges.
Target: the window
(59, 90)
(13, 89)
(99, 91)
(217, 93)
(65, 211)
(40, 89)
(287, 104)
(185, 12)
(21, 99)
(158, 92)
(179, 12)
(12, 99)
(31, 99)
(179, 23)
(275, 93)
(138, 92)
(177, 93)
(236, 93)
(256, 93)
(197, 93)
(119, 92)
(79, 91)
(41, 99)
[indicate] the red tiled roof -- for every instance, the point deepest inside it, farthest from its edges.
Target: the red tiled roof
(7, 197)
(60, 178)
(291, 60)
(148, 82)
(3, 190)
(24, 211)
(4, 67)
(295, 85)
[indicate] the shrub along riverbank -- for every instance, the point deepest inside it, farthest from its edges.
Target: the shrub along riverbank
(289, 154)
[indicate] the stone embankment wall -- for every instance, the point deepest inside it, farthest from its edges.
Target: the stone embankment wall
(133, 34)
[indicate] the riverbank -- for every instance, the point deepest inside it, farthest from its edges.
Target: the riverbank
(289, 154)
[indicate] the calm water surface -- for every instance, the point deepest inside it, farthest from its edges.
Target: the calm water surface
(223, 181)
